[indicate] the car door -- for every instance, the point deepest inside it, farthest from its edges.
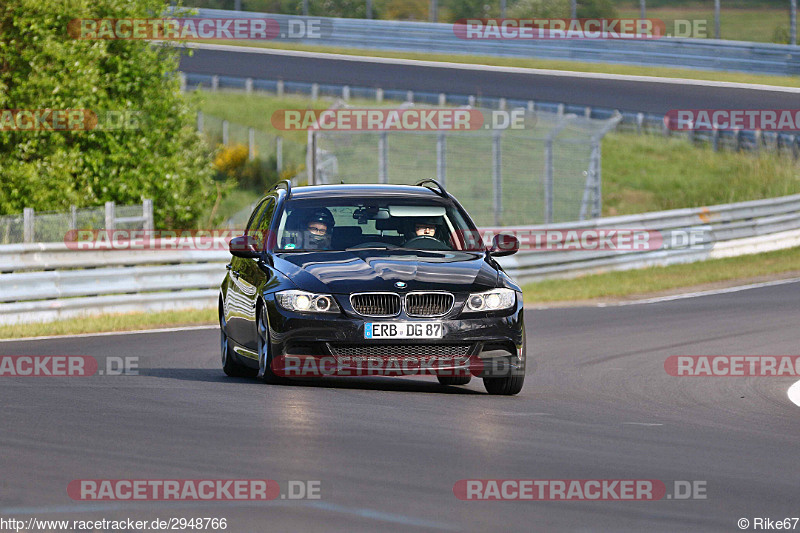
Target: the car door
(237, 304)
(254, 274)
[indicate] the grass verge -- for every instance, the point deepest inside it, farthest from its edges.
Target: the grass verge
(552, 64)
(117, 322)
(619, 285)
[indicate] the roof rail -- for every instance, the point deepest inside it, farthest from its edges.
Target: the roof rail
(287, 184)
(441, 190)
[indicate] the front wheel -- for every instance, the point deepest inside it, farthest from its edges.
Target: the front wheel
(506, 386)
(264, 355)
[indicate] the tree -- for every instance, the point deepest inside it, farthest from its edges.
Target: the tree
(41, 66)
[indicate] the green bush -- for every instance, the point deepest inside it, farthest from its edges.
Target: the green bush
(42, 67)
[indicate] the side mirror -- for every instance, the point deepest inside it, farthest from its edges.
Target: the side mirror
(244, 246)
(504, 244)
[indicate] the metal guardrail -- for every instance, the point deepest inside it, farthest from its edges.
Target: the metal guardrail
(49, 281)
(758, 58)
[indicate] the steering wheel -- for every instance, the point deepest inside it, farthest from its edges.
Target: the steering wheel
(426, 242)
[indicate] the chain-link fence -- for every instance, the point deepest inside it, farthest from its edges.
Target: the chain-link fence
(546, 171)
(52, 226)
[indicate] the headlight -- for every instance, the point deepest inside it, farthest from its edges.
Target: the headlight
(493, 300)
(307, 302)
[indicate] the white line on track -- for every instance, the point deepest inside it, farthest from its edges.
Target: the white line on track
(112, 333)
(794, 393)
(491, 68)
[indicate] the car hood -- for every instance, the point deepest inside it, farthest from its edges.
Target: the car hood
(344, 272)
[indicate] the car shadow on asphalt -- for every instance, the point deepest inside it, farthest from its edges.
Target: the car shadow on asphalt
(376, 383)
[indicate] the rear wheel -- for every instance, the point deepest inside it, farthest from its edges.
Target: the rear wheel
(229, 364)
(454, 380)
(506, 386)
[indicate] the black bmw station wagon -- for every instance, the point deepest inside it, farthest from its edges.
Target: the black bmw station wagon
(354, 273)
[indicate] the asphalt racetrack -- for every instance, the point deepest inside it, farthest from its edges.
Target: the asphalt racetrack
(621, 93)
(387, 452)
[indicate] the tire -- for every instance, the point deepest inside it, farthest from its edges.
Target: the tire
(454, 380)
(229, 364)
(264, 356)
(507, 386)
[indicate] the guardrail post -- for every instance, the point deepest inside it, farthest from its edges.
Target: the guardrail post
(182, 78)
(757, 147)
(501, 104)
(28, 216)
(441, 157)
(199, 122)
(214, 82)
(279, 154)
(442, 99)
(110, 216)
(794, 147)
(560, 110)
(225, 128)
(251, 144)
(315, 91)
(531, 106)
(715, 138)
(279, 89)
(587, 112)
(690, 133)
(346, 93)
(379, 95)
(248, 85)
(497, 176)
(639, 123)
(410, 97)
(471, 101)
(383, 164)
(73, 217)
(665, 126)
(147, 213)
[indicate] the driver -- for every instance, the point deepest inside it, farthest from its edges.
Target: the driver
(423, 228)
(318, 229)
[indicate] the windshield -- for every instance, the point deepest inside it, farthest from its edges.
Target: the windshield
(353, 223)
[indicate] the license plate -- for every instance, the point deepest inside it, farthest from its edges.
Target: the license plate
(403, 330)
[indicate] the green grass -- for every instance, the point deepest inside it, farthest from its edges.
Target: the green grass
(113, 322)
(739, 24)
(653, 173)
(654, 279)
(572, 66)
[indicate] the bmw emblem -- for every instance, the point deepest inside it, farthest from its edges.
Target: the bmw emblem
(400, 284)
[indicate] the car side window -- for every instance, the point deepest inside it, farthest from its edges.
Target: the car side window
(261, 228)
(254, 216)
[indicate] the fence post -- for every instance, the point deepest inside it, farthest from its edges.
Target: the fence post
(639, 122)
(346, 93)
(441, 158)
(757, 147)
(587, 112)
(497, 176)
(531, 106)
(199, 122)
(410, 97)
(794, 147)
(279, 89)
(715, 138)
(251, 144)
(560, 110)
(248, 85)
(548, 180)
(379, 95)
(383, 166)
(665, 126)
(737, 137)
(471, 100)
(597, 204)
(73, 217)
(28, 216)
(502, 104)
(315, 91)
(214, 82)
(279, 154)
(225, 127)
(110, 216)
(147, 213)
(311, 157)
(182, 78)
(442, 99)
